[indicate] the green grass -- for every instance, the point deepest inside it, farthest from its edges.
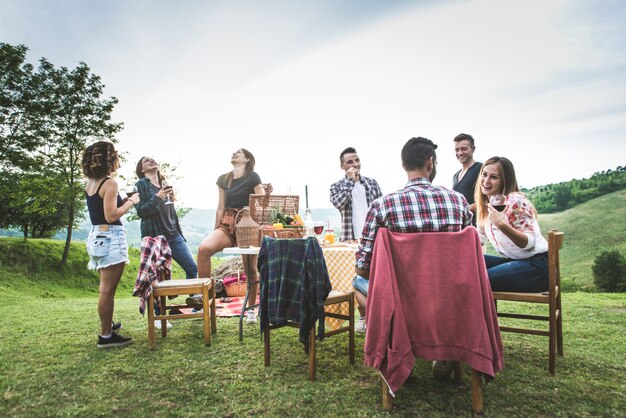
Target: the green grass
(50, 366)
(589, 228)
(32, 268)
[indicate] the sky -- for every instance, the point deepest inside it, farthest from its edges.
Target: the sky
(542, 82)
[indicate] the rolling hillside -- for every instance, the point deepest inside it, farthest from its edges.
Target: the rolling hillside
(589, 228)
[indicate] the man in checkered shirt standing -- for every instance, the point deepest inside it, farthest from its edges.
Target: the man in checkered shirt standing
(419, 207)
(352, 195)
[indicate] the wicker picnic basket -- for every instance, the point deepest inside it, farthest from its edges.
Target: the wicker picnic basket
(262, 206)
(235, 289)
(281, 232)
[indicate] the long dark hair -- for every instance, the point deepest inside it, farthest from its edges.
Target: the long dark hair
(140, 174)
(248, 169)
(100, 159)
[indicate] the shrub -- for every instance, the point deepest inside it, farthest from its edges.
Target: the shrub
(609, 271)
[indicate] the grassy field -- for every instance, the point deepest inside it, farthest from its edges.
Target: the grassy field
(49, 365)
(596, 225)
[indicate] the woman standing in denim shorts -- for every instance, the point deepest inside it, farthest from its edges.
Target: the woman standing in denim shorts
(106, 244)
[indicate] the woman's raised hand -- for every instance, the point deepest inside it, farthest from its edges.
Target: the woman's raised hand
(495, 217)
(135, 198)
(164, 192)
(268, 188)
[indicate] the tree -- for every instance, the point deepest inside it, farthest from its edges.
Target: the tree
(70, 113)
(16, 96)
(562, 196)
(609, 271)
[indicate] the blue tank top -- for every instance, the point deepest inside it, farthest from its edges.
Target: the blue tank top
(95, 205)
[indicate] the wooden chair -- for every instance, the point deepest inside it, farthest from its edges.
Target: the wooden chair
(334, 297)
(410, 316)
(270, 286)
(552, 298)
(163, 289)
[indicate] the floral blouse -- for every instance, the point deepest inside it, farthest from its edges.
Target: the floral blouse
(519, 214)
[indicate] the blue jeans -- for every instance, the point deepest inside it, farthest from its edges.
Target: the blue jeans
(509, 275)
(361, 284)
(184, 258)
(182, 255)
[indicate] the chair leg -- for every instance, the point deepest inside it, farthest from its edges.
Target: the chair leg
(552, 338)
(552, 347)
(212, 300)
(351, 331)
(312, 357)
(162, 311)
(477, 393)
(205, 315)
(559, 326)
(387, 401)
(458, 372)
(266, 344)
(151, 333)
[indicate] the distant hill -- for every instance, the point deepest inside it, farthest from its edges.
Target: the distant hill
(197, 224)
(593, 226)
(30, 265)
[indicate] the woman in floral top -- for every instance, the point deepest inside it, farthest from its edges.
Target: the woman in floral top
(513, 232)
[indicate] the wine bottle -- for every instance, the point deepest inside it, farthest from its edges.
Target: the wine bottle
(309, 227)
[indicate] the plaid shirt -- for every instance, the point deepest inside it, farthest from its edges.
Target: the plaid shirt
(156, 257)
(419, 207)
(341, 198)
(294, 284)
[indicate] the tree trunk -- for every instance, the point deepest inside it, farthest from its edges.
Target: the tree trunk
(25, 230)
(68, 240)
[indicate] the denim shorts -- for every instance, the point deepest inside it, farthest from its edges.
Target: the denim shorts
(106, 246)
(360, 284)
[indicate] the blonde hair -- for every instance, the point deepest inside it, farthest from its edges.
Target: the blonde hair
(509, 185)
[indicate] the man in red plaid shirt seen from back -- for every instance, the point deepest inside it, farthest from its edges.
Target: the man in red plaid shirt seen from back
(419, 207)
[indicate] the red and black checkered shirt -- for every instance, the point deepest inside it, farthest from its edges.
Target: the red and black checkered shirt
(419, 207)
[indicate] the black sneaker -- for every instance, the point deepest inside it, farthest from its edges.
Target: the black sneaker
(116, 325)
(115, 340)
(195, 301)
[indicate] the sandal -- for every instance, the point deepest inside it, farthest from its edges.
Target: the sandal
(226, 300)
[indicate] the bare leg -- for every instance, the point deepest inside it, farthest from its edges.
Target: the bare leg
(109, 278)
(362, 301)
(214, 243)
(249, 266)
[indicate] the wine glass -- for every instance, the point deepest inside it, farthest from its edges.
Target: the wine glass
(498, 201)
(318, 228)
(132, 192)
(166, 185)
